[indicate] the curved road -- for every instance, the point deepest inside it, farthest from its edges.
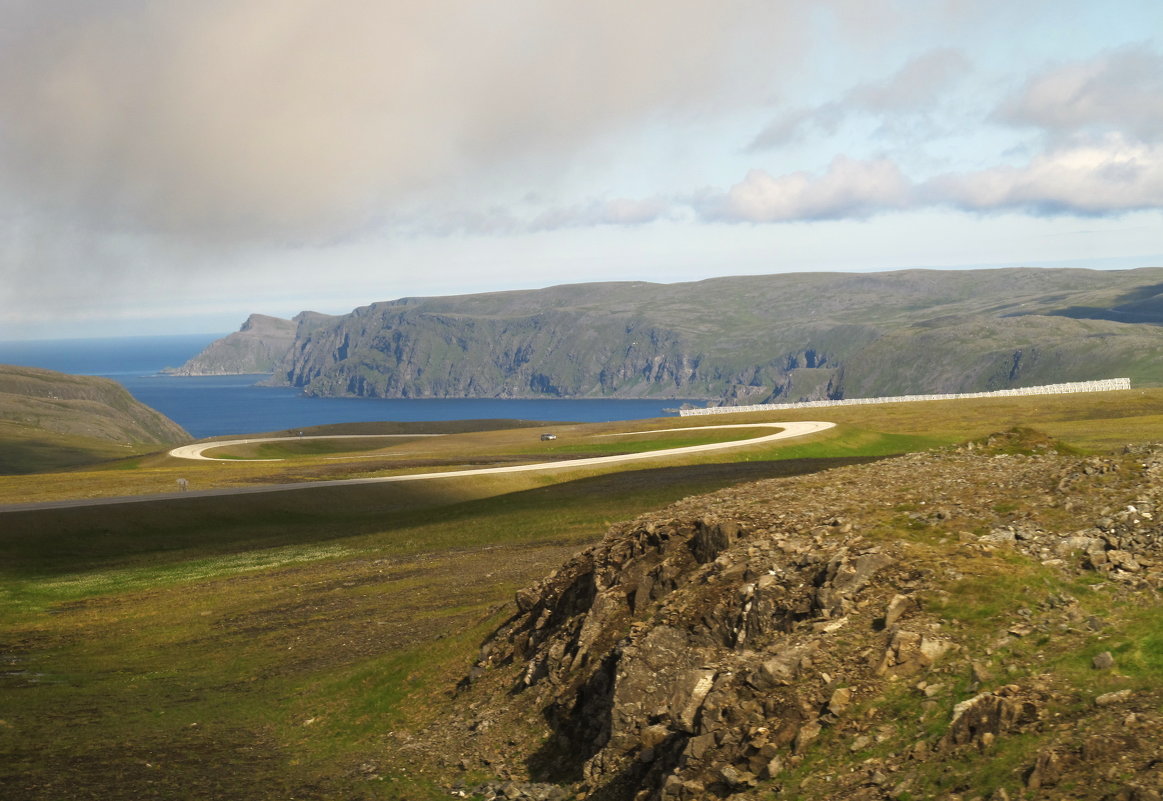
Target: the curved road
(787, 431)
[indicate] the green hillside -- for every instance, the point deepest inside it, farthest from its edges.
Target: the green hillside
(50, 420)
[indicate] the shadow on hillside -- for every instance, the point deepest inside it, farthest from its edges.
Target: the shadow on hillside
(36, 456)
(1142, 305)
(170, 531)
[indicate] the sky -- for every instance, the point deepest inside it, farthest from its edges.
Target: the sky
(171, 166)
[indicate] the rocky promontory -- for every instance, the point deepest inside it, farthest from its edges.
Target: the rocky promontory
(256, 348)
(978, 623)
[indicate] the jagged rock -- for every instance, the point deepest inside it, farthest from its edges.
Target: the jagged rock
(711, 539)
(896, 608)
(804, 737)
(687, 697)
(1103, 661)
(840, 701)
(909, 652)
(520, 791)
(1118, 697)
(1080, 544)
(1047, 770)
(845, 576)
(983, 714)
(706, 638)
(782, 668)
(1123, 560)
(736, 778)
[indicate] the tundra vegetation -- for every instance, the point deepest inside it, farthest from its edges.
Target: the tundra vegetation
(978, 618)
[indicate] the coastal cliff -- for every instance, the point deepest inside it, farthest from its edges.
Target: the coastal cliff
(257, 347)
(744, 339)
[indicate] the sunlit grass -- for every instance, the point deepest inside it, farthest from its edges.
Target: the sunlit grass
(1091, 422)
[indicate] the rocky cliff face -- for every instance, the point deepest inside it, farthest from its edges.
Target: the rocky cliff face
(749, 339)
(257, 347)
(397, 352)
(883, 631)
(746, 339)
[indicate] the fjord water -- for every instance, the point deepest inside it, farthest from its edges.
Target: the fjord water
(208, 406)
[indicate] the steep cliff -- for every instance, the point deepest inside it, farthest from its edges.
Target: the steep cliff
(745, 339)
(257, 347)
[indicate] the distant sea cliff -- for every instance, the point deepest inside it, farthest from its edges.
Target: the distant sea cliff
(745, 339)
(257, 347)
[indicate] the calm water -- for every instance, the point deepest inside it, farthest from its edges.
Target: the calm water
(214, 405)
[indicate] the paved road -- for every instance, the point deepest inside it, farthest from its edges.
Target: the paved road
(787, 431)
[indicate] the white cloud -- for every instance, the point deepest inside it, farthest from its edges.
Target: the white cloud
(849, 189)
(1121, 91)
(1103, 178)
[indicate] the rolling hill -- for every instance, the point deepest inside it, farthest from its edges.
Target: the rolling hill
(50, 420)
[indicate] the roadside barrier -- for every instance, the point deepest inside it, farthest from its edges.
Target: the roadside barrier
(1105, 385)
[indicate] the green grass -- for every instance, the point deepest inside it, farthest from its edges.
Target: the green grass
(291, 449)
(1088, 421)
(656, 442)
(249, 616)
(31, 450)
(356, 608)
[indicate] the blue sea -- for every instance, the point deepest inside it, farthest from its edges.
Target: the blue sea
(216, 405)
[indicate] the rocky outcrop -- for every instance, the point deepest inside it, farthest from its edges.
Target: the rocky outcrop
(806, 633)
(722, 686)
(747, 339)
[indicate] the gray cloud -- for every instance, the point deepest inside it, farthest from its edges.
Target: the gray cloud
(913, 89)
(916, 86)
(297, 119)
(1121, 90)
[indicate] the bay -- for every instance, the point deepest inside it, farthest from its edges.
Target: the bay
(208, 406)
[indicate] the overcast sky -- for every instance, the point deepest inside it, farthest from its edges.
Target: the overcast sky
(172, 165)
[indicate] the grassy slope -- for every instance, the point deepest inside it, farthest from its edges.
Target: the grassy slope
(863, 431)
(261, 646)
(50, 420)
